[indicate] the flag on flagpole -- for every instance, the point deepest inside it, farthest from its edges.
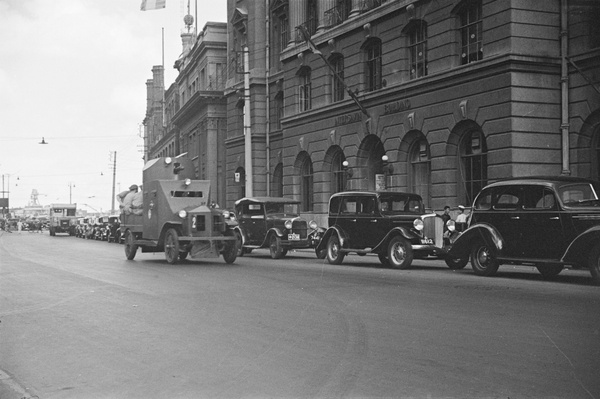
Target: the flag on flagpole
(152, 4)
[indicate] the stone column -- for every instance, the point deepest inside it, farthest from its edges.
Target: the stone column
(322, 7)
(355, 8)
(297, 17)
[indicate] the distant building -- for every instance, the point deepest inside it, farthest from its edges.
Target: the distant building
(194, 116)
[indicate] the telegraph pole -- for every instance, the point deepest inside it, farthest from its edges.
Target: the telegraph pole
(112, 206)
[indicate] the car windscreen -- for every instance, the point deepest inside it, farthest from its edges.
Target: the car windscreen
(392, 204)
(281, 208)
(579, 194)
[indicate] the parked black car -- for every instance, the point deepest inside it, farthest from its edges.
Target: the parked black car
(393, 225)
(112, 231)
(548, 222)
(274, 222)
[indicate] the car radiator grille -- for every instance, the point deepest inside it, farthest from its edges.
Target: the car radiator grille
(300, 227)
(433, 227)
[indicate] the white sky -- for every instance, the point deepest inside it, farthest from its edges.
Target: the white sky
(74, 72)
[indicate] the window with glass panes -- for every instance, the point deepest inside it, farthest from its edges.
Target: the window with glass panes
(337, 83)
(306, 185)
(338, 174)
(304, 90)
(418, 49)
(420, 166)
(471, 32)
(474, 163)
(373, 65)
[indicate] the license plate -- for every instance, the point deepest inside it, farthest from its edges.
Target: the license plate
(293, 237)
(427, 241)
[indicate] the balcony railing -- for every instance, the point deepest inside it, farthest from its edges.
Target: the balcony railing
(367, 5)
(311, 27)
(337, 14)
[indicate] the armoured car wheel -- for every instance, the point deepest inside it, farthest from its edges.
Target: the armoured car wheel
(384, 259)
(456, 263)
(231, 251)
(594, 264)
(549, 271)
(171, 246)
(483, 260)
(277, 252)
(334, 254)
(130, 247)
(400, 253)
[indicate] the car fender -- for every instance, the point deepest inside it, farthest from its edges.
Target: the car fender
(581, 246)
(268, 234)
(396, 231)
(328, 233)
(238, 229)
(476, 233)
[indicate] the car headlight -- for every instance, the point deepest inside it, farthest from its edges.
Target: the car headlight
(313, 225)
(226, 214)
(288, 224)
(451, 225)
(187, 182)
(182, 213)
(168, 160)
(418, 224)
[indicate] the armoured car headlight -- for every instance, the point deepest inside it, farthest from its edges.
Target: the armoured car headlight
(418, 223)
(182, 213)
(451, 225)
(168, 160)
(187, 182)
(288, 224)
(313, 225)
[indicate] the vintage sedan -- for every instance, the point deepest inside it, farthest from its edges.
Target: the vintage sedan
(274, 223)
(393, 225)
(546, 222)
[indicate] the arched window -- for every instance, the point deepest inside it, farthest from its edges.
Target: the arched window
(420, 168)
(373, 64)
(339, 177)
(306, 184)
(277, 183)
(304, 89)
(417, 48)
(473, 153)
(337, 83)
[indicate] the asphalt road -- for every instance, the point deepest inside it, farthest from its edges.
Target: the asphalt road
(77, 320)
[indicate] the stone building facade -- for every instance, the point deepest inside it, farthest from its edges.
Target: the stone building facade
(437, 97)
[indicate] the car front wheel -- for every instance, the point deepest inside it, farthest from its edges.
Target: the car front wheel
(277, 251)
(483, 260)
(334, 254)
(400, 253)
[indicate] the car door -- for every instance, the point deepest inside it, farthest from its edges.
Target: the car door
(506, 216)
(369, 230)
(347, 221)
(541, 224)
(253, 223)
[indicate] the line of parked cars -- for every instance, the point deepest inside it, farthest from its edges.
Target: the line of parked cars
(546, 222)
(103, 228)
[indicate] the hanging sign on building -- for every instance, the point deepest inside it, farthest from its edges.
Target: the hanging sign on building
(380, 182)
